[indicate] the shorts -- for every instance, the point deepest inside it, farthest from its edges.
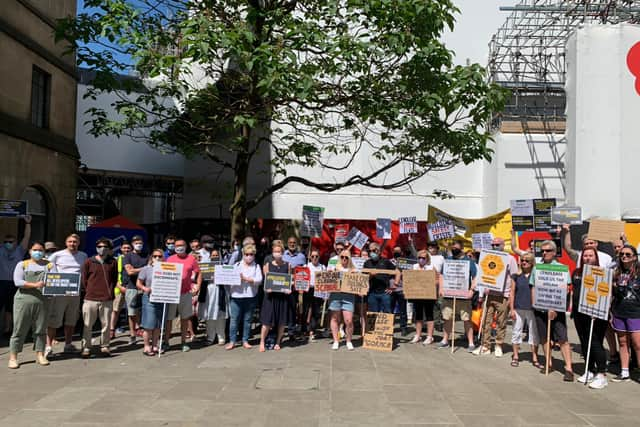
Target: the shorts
(558, 327)
(620, 324)
(462, 305)
(65, 309)
(131, 297)
(151, 314)
(339, 301)
(424, 309)
(184, 309)
(118, 302)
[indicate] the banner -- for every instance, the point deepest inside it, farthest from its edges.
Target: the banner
(166, 283)
(492, 269)
(61, 284)
(277, 282)
(207, 269)
(227, 275)
(440, 230)
(419, 284)
(408, 225)
(13, 208)
(327, 281)
(355, 283)
(499, 225)
(302, 279)
(595, 293)
(455, 278)
(383, 228)
(379, 332)
(550, 287)
(312, 219)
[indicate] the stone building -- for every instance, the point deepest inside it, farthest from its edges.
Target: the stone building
(37, 117)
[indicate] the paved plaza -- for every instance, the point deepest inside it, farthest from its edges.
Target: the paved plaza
(307, 385)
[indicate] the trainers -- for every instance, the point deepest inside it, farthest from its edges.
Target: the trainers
(427, 341)
(70, 348)
(416, 339)
(621, 379)
(599, 382)
(105, 351)
(185, 348)
(498, 351)
(586, 377)
(349, 346)
(48, 351)
(335, 345)
(86, 353)
(442, 344)
(41, 360)
(132, 340)
(481, 351)
(13, 364)
(471, 348)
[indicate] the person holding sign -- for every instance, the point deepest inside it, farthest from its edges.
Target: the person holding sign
(151, 322)
(341, 303)
(521, 310)
(379, 298)
(625, 308)
(423, 308)
(244, 297)
(596, 373)
(277, 311)
(30, 306)
(604, 259)
(557, 320)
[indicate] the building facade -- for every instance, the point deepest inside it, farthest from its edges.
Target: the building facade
(37, 117)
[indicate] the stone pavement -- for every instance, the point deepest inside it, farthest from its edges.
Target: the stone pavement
(307, 385)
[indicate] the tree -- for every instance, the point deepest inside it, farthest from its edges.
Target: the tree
(316, 82)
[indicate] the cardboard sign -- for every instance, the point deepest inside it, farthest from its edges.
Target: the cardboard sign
(405, 263)
(378, 342)
(207, 269)
(550, 283)
(357, 238)
(383, 228)
(312, 219)
(227, 275)
(419, 284)
(277, 282)
(492, 269)
(605, 230)
(408, 225)
(455, 278)
(440, 230)
(327, 281)
(302, 279)
(532, 214)
(13, 208)
(379, 332)
(481, 241)
(341, 231)
(61, 284)
(595, 292)
(566, 215)
(166, 283)
(355, 283)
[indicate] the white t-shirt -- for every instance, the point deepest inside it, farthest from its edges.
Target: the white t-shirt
(66, 262)
(437, 261)
(312, 270)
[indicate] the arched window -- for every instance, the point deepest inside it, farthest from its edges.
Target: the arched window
(38, 208)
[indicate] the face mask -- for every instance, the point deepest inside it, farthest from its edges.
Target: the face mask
(208, 245)
(397, 255)
(249, 258)
(181, 249)
(374, 256)
(8, 246)
(37, 255)
(456, 251)
(277, 256)
(138, 246)
(422, 261)
(102, 251)
(171, 246)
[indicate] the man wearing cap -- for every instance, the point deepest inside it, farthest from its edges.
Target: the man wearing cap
(134, 262)
(49, 249)
(498, 304)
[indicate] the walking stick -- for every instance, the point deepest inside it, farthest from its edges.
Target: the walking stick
(586, 363)
(453, 327)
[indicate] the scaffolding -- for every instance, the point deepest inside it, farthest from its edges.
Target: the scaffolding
(527, 56)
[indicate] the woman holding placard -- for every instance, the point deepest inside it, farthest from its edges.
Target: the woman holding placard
(521, 311)
(277, 311)
(151, 311)
(341, 303)
(625, 308)
(30, 306)
(423, 308)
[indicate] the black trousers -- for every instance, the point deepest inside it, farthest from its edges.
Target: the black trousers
(598, 356)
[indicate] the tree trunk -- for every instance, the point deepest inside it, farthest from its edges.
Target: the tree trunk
(239, 205)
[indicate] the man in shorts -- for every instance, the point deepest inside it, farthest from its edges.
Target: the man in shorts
(134, 262)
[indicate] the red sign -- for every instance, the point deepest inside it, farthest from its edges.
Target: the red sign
(341, 232)
(302, 278)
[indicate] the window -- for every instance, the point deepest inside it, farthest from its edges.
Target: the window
(40, 97)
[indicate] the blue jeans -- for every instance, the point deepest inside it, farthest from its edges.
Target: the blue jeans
(379, 303)
(241, 309)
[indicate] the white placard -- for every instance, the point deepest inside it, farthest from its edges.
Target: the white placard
(455, 278)
(227, 275)
(440, 230)
(522, 207)
(481, 241)
(408, 225)
(595, 292)
(357, 238)
(166, 283)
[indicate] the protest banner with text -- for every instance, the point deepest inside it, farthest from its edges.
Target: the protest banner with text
(227, 275)
(492, 269)
(357, 238)
(455, 278)
(312, 219)
(408, 225)
(440, 230)
(383, 228)
(61, 284)
(166, 283)
(595, 292)
(355, 283)
(550, 287)
(302, 278)
(13, 208)
(605, 230)
(379, 332)
(207, 269)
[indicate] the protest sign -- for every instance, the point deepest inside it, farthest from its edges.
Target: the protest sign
(227, 275)
(481, 241)
(13, 208)
(302, 278)
(595, 292)
(358, 262)
(383, 228)
(207, 269)
(492, 269)
(341, 232)
(355, 283)
(312, 219)
(357, 238)
(440, 230)
(566, 215)
(405, 263)
(61, 284)
(419, 284)
(277, 282)
(378, 342)
(550, 287)
(166, 283)
(408, 225)
(327, 281)
(532, 214)
(605, 230)
(455, 278)
(379, 332)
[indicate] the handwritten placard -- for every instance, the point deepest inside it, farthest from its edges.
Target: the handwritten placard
(419, 284)
(605, 230)
(379, 332)
(327, 281)
(355, 283)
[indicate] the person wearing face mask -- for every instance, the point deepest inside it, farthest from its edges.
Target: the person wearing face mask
(170, 245)
(294, 258)
(379, 298)
(151, 311)
(243, 297)
(30, 306)
(277, 311)
(423, 308)
(64, 310)
(11, 254)
(98, 280)
(134, 262)
(190, 271)
(120, 290)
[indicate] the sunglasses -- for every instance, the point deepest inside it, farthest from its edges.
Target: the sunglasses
(524, 261)
(314, 256)
(548, 250)
(626, 254)
(102, 246)
(421, 257)
(157, 257)
(375, 251)
(8, 241)
(344, 257)
(495, 245)
(250, 253)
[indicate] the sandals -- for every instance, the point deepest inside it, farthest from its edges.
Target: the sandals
(515, 362)
(276, 347)
(150, 353)
(537, 365)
